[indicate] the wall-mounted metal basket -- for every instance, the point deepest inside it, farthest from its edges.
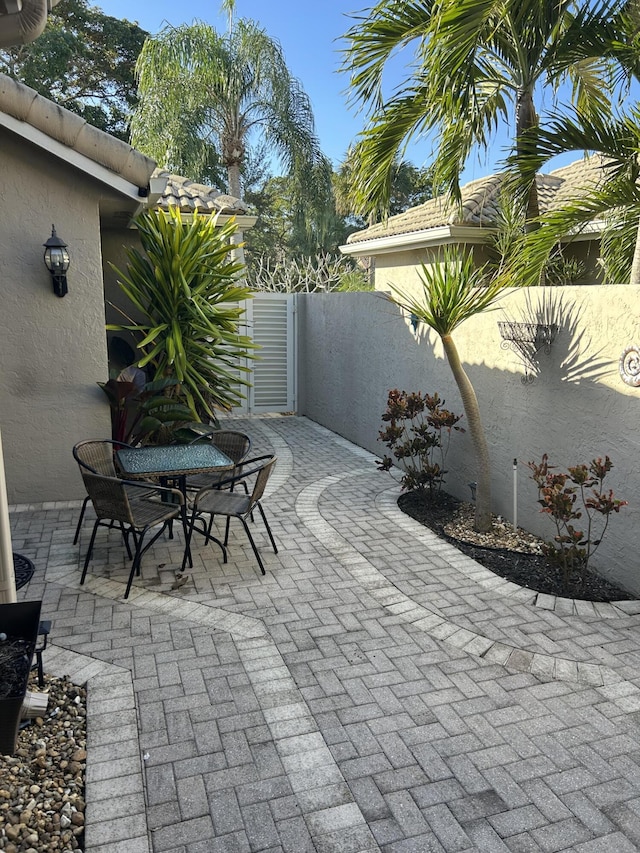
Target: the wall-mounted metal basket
(526, 340)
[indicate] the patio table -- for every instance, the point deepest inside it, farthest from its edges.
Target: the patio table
(174, 463)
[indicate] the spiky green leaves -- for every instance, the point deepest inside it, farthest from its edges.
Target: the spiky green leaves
(187, 287)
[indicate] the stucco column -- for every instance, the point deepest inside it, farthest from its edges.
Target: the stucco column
(237, 251)
(7, 575)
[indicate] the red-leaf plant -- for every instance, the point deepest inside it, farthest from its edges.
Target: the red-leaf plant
(418, 433)
(566, 497)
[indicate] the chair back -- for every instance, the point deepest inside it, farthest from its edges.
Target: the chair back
(108, 496)
(96, 456)
(261, 480)
(235, 445)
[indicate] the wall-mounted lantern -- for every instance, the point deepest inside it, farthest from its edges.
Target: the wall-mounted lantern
(57, 262)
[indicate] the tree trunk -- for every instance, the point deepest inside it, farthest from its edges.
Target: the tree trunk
(233, 175)
(237, 252)
(472, 412)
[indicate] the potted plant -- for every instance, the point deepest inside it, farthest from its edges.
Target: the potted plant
(18, 635)
(143, 412)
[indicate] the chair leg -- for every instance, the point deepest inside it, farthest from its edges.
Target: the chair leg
(188, 532)
(266, 524)
(138, 539)
(135, 565)
(212, 538)
(125, 536)
(253, 544)
(89, 550)
(81, 519)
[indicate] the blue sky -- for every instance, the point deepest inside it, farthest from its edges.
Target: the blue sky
(310, 35)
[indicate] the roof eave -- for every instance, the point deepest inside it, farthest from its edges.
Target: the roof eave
(74, 158)
(243, 221)
(427, 237)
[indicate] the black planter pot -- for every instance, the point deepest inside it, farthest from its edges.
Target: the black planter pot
(19, 622)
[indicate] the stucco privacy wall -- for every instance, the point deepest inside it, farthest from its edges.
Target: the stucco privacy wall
(52, 350)
(354, 347)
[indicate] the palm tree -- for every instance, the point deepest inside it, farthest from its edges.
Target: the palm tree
(614, 201)
(476, 64)
(201, 92)
(454, 291)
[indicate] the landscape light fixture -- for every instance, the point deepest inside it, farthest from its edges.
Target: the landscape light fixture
(57, 261)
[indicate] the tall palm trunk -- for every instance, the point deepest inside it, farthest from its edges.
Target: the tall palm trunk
(233, 177)
(472, 413)
(526, 120)
(235, 189)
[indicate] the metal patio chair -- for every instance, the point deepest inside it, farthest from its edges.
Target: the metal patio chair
(235, 445)
(222, 500)
(136, 507)
(96, 456)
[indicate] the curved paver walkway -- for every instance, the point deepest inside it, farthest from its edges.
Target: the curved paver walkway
(376, 690)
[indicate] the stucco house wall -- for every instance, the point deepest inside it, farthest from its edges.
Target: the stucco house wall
(401, 269)
(354, 347)
(52, 350)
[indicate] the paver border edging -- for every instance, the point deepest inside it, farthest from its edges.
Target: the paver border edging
(388, 502)
(114, 778)
(612, 685)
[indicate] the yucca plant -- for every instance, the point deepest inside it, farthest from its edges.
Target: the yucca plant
(454, 290)
(187, 288)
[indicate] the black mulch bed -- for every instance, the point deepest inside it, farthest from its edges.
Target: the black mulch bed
(525, 569)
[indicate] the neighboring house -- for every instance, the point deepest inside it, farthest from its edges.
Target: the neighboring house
(403, 242)
(59, 170)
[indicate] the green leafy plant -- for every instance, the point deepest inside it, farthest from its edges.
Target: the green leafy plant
(186, 287)
(141, 411)
(418, 434)
(567, 498)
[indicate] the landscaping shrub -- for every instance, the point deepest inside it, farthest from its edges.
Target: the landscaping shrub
(567, 498)
(418, 434)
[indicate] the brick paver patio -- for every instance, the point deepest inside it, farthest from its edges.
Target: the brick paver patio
(375, 691)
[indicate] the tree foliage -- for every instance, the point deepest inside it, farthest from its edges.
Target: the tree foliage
(409, 185)
(201, 91)
(477, 64)
(84, 61)
(614, 202)
(291, 227)
(324, 272)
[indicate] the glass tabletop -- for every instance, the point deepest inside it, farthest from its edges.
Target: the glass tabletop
(172, 459)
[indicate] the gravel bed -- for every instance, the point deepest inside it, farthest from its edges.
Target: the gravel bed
(42, 785)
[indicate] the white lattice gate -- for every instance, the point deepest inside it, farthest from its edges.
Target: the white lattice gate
(270, 322)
